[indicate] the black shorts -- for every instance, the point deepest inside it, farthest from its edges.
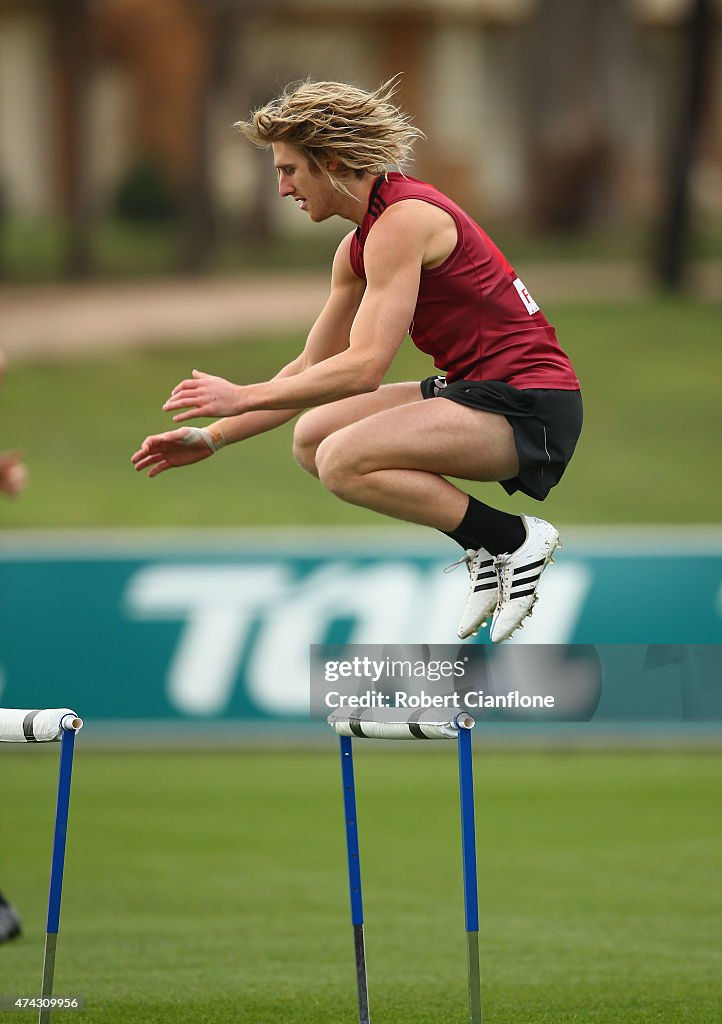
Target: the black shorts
(546, 423)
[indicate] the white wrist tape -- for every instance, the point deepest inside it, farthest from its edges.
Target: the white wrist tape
(213, 436)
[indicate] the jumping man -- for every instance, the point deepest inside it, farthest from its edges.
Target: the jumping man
(508, 408)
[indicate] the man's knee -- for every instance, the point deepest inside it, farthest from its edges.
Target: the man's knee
(306, 439)
(335, 468)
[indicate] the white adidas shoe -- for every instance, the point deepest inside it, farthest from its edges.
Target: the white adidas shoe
(519, 574)
(483, 591)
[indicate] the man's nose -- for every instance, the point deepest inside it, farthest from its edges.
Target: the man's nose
(285, 188)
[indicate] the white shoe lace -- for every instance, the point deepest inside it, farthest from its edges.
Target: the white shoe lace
(500, 564)
(466, 560)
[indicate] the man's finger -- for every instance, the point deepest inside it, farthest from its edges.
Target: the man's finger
(191, 414)
(179, 402)
(149, 460)
(184, 385)
(184, 398)
(144, 450)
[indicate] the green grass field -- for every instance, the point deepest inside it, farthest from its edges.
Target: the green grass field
(210, 887)
(650, 372)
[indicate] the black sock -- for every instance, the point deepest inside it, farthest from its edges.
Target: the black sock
(486, 527)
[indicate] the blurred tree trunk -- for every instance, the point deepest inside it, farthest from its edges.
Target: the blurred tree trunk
(259, 223)
(197, 215)
(695, 80)
(575, 52)
(72, 31)
(220, 21)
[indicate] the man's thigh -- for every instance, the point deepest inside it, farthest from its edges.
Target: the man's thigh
(436, 436)
(316, 424)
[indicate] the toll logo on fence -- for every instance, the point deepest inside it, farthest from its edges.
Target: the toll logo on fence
(266, 617)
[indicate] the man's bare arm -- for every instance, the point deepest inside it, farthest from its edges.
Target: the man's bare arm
(329, 335)
(185, 446)
(393, 255)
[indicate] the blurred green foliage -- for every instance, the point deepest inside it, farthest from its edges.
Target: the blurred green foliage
(650, 372)
(145, 196)
(33, 251)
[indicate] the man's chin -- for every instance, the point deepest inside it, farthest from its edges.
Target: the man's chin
(318, 218)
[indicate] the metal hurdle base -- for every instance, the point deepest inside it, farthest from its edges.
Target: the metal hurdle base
(67, 744)
(461, 727)
(354, 876)
(23, 725)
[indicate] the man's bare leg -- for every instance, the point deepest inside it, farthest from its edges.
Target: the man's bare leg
(318, 424)
(395, 461)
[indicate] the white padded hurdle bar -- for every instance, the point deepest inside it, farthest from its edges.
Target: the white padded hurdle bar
(393, 724)
(26, 725)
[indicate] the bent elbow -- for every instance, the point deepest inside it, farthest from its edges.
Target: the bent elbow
(368, 385)
(368, 378)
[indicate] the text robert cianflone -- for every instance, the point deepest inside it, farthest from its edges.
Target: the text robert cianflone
(402, 668)
(470, 700)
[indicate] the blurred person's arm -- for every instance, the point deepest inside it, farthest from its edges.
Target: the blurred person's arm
(13, 474)
(13, 471)
(329, 335)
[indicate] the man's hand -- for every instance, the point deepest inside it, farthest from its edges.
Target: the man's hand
(13, 474)
(175, 448)
(204, 395)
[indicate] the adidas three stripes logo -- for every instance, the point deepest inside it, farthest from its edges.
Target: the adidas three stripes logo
(523, 577)
(486, 572)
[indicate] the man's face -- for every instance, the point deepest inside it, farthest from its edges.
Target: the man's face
(308, 186)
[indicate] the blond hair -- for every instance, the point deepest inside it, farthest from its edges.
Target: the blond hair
(327, 120)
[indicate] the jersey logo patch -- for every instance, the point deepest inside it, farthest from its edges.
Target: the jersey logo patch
(531, 306)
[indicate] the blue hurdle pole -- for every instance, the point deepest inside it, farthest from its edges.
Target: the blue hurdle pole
(354, 876)
(468, 850)
(67, 744)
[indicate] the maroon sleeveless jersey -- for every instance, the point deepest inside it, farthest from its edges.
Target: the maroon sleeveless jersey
(473, 314)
